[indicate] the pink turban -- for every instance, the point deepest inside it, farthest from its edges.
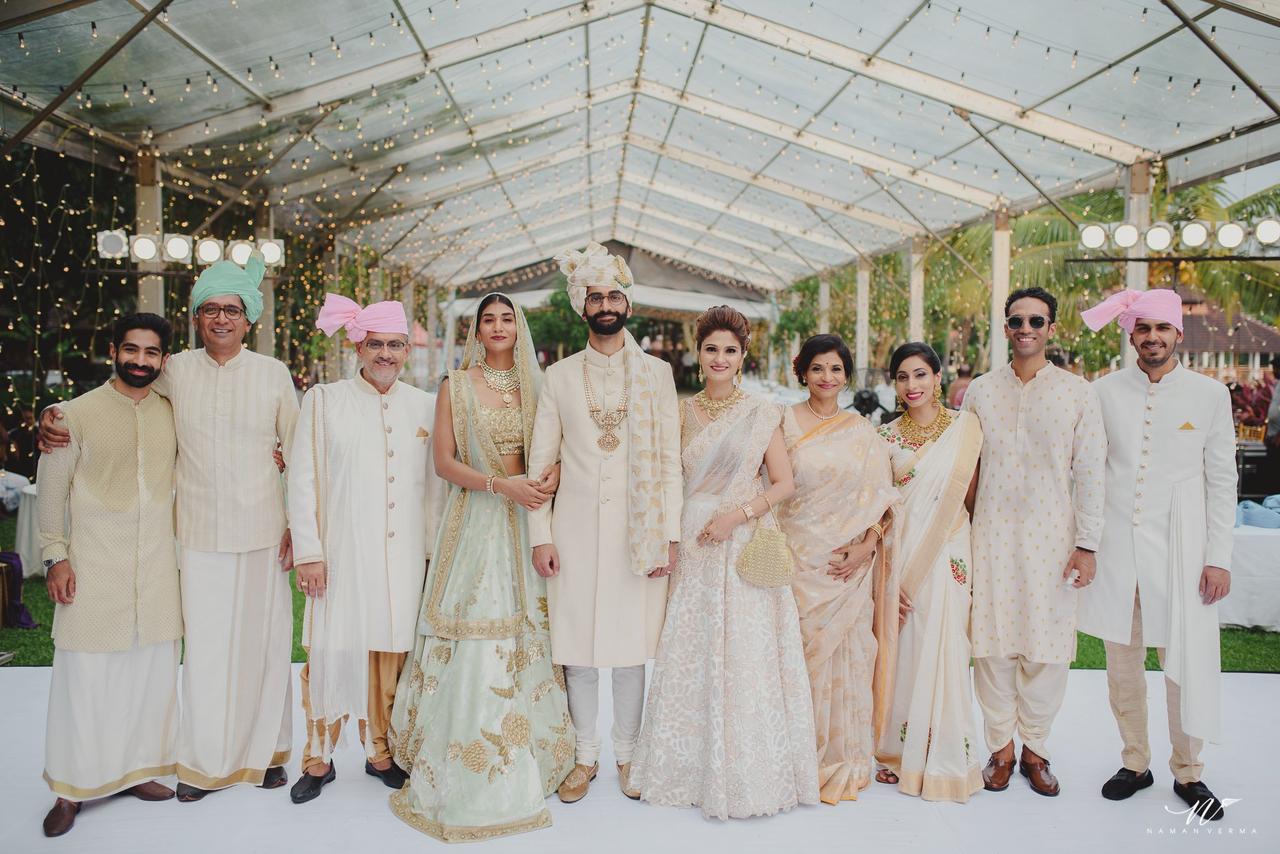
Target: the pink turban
(1127, 306)
(338, 311)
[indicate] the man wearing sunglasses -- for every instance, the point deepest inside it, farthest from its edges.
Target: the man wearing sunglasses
(1166, 549)
(1037, 520)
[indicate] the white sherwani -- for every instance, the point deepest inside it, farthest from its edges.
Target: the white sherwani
(1170, 508)
(373, 500)
(602, 614)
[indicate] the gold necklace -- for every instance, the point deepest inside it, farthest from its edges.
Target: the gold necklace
(503, 383)
(913, 434)
(715, 408)
(609, 421)
(819, 415)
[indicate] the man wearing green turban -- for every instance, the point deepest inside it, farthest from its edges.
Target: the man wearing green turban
(227, 278)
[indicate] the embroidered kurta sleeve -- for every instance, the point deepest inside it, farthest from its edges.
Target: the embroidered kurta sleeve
(1088, 471)
(544, 450)
(1219, 482)
(672, 477)
(54, 472)
(300, 480)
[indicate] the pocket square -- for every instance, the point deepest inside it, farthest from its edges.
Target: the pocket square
(1187, 425)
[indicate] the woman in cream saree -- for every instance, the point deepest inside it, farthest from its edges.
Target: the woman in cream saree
(481, 720)
(931, 744)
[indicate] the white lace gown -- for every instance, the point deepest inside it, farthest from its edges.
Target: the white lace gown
(729, 719)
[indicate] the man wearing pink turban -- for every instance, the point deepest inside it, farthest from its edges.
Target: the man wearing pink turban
(363, 503)
(1166, 544)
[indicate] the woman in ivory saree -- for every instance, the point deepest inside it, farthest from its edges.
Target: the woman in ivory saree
(845, 590)
(728, 724)
(930, 748)
(481, 720)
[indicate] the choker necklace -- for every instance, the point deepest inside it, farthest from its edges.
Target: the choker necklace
(503, 383)
(715, 408)
(913, 434)
(819, 415)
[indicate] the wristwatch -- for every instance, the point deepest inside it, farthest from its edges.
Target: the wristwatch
(50, 563)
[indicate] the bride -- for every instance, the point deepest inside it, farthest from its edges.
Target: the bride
(729, 722)
(481, 720)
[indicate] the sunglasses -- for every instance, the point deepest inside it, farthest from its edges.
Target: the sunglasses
(1035, 321)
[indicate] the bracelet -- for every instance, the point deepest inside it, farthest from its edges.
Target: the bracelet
(488, 484)
(747, 510)
(879, 531)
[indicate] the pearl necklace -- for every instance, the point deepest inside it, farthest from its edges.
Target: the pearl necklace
(503, 383)
(819, 415)
(715, 408)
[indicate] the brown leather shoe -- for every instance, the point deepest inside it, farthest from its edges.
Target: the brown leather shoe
(150, 791)
(624, 781)
(995, 777)
(574, 788)
(61, 817)
(1037, 772)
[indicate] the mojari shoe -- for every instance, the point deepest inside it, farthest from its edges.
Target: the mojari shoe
(393, 777)
(1200, 799)
(274, 778)
(624, 781)
(309, 785)
(150, 791)
(190, 794)
(61, 817)
(1125, 783)
(575, 786)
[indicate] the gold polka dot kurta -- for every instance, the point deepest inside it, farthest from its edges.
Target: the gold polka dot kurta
(1040, 495)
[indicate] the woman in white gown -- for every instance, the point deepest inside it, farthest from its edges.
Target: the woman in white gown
(729, 721)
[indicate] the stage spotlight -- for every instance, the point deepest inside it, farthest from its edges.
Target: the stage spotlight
(1159, 237)
(272, 252)
(1125, 235)
(1230, 235)
(144, 247)
(208, 250)
(1267, 231)
(113, 244)
(239, 251)
(177, 248)
(1093, 236)
(1194, 235)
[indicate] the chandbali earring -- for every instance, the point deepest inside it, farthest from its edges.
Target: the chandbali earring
(701, 380)
(937, 394)
(902, 404)
(737, 378)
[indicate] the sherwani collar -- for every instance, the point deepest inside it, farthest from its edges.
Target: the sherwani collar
(1013, 377)
(369, 388)
(600, 360)
(1168, 379)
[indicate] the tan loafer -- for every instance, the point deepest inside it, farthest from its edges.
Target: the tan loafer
(61, 817)
(624, 781)
(150, 791)
(575, 786)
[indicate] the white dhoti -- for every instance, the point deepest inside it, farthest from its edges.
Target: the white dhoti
(113, 719)
(236, 679)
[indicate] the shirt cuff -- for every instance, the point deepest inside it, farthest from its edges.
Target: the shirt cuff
(54, 552)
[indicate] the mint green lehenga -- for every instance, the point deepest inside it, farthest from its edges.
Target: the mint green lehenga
(481, 720)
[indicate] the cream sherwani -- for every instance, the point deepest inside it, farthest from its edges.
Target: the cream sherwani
(1170, 508)
(237, 605)
(113, 696)
(602, 614)
(360, 478)
(1040, 494)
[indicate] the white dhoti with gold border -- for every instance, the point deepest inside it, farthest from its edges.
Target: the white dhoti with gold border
(236, 678)
(113, 719)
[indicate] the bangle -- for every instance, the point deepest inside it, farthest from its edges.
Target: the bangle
(747, 510)
(879, 531)
(488, 484)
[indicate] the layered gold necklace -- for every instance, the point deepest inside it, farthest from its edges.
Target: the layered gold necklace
(503, 383)
(913, 434)
(609, 421)
(715, 408)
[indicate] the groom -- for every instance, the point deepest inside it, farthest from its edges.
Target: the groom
(610, 415)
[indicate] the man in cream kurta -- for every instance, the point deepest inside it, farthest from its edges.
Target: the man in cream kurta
(359, 479)
(113, 697)
(606, 604)
(1166, 548)
(1037, 518)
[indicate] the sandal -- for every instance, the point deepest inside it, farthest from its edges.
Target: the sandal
(884, 775)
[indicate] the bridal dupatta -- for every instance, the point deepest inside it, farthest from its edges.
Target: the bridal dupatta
(844, 485)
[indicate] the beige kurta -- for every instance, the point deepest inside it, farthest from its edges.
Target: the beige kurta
(602, 614)
(1040, 494)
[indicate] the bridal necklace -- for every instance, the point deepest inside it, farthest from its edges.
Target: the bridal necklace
(715, 408)
(816, 414)
(609, 421)
(914, 434)
(503, 383)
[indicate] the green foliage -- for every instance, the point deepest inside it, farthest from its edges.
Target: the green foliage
(558, 324)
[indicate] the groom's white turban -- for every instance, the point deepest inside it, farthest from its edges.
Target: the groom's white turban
(593, 267)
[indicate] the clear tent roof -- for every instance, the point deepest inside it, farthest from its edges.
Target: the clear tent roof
(759, 139)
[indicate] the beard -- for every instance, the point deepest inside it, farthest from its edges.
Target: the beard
(1157, 359)
(606, 322)
(124, 370)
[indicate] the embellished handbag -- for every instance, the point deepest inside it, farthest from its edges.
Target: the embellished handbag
(766, 559)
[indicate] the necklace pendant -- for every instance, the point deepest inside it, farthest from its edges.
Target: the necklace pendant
(507, 398)
(608, 442)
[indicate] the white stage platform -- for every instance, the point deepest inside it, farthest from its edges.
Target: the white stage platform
(352, 814)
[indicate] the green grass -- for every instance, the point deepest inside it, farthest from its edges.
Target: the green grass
(1243, 650)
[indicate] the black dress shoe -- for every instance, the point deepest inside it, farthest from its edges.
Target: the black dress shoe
(1124, 783)
(1200, 799)
(190, 794)
(393, 777)
(308, 786)
(274, 778)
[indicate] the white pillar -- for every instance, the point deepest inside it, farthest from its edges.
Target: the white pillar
(332, 355)
(433, 319)
(862, 327)
(794, 347)
(824, 301)
(149, 210)
(915, 306)
(450, 330)
(1137, 210)
(1000, 243)
(265, 340)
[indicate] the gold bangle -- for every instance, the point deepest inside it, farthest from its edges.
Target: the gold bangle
(488, 485)
(747, 510)
(879, 531)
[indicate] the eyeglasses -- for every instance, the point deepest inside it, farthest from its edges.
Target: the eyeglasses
(392, 346)
(1036, 321)
(617, 299)
(233, 312)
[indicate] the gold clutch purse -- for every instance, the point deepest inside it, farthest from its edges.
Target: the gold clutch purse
(766, 560)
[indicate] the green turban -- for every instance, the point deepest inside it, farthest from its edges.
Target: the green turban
(227, 278)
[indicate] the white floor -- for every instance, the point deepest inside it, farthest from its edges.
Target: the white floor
(352, 814)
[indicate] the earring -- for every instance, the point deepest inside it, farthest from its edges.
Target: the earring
(902, 404)
(937, 394)
(737, 378)
(700, 378)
